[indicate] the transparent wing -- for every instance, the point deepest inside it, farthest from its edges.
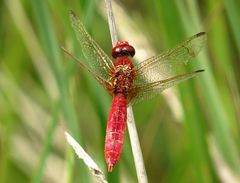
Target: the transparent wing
(98, 78)
(171, 62)
(98, 60)
(149, 90)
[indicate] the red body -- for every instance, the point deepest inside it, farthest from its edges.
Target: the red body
(116, 128)
(121, 78)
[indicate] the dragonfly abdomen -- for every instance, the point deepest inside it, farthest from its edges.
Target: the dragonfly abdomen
(116, 128)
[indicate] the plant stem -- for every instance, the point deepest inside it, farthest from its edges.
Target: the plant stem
(135, 144)
(111, 22)
(136, 149)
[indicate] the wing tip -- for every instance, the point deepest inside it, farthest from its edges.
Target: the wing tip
(201, 33)
(200, 70)
(72, 14)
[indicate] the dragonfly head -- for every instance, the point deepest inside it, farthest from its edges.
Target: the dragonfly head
(122, 48)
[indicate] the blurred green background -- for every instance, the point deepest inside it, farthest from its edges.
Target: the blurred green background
(188, 134)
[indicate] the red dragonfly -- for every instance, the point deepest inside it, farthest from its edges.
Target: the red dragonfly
(129, 83)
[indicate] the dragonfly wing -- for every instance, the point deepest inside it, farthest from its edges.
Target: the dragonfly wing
(170, 62)
(98, 60)
(150, 90)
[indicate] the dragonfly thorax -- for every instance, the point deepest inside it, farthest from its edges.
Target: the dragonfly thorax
(122, 48)
(122, 76)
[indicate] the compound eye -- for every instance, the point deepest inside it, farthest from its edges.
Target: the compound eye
(123, 49)
(129, 50)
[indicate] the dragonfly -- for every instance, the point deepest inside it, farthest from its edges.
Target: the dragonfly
(129, 83)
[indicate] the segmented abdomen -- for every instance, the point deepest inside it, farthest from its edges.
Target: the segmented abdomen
(116, 128)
